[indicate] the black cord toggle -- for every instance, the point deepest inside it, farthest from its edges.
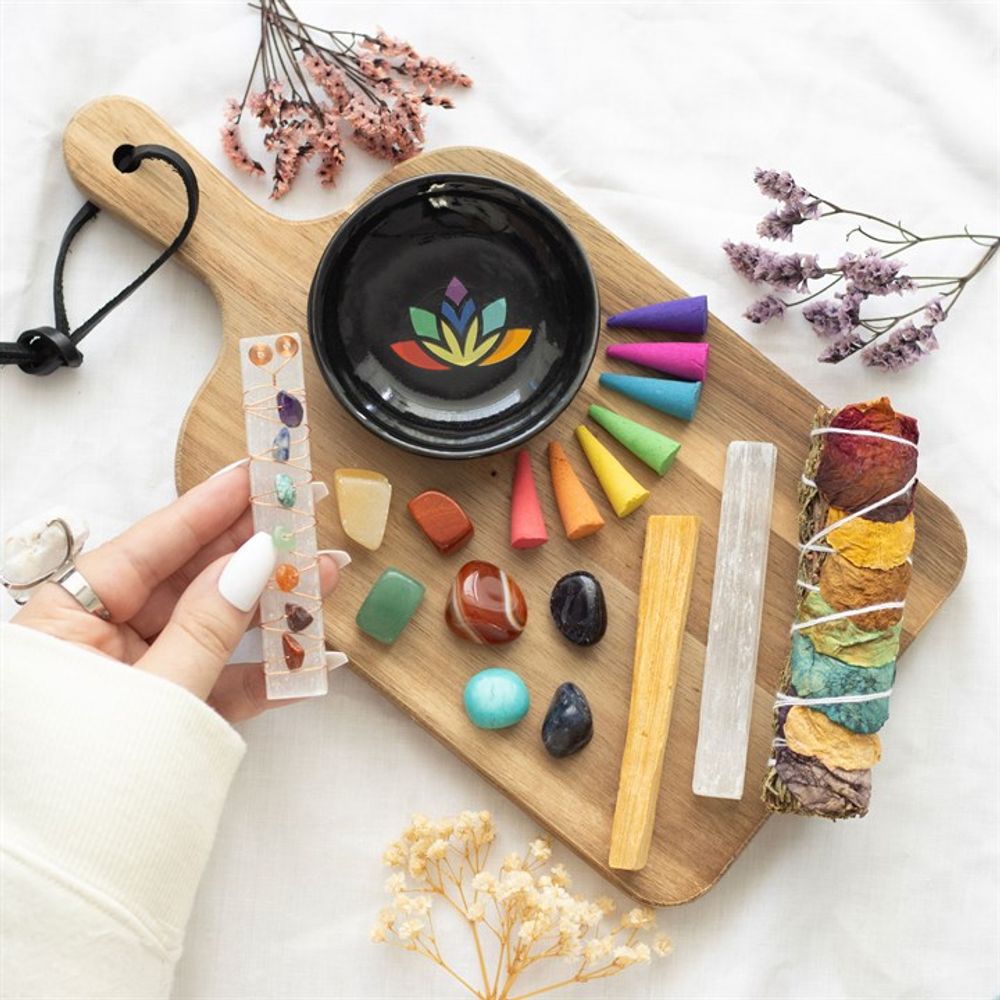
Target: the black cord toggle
(46, 348)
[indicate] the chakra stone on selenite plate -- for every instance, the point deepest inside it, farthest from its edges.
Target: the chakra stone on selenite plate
(390, 605)
(290, 411)
(486, 605)
(293, 650)
(496, 698)
(283, 538)
(286, 576)
(297, 617)
(363, 499)
(281, 449)
(284, 489)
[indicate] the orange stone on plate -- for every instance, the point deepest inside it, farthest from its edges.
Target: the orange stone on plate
(287, 346)
(442, 520)
(486, 606)
(286, 576)
(294, 653)
(260, 354)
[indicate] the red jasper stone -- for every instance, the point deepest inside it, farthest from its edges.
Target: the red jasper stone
(294, 653)
(486, 605)
(442, 520)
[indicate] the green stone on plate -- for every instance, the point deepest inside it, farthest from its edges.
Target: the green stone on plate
(390, 605)
(496, 698)
(283, 538)
(284, 488)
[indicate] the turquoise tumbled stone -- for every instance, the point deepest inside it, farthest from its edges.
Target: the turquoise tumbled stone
(284, 488)
(390, 605)
(496, 698)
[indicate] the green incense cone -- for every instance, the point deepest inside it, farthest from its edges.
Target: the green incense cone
(655, 449)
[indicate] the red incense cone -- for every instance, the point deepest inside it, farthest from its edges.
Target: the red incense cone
(527, 527)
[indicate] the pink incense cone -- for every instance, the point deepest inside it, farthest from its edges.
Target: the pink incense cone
(527, 527)
(682, 359)
(676, 316)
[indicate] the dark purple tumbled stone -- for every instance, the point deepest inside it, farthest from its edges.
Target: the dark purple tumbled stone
(297, 617)
(289, 409)
(568, 724)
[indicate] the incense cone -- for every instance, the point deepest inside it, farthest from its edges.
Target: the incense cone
(679, 399)
(682, 359)
(623, 491)
(675, 316)
(579, 513)
(655, 449)
(527, 526)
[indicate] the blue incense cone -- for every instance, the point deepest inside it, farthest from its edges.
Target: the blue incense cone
(679, 399)
(676, 316)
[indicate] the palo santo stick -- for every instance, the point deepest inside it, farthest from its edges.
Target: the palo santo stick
(664, 594)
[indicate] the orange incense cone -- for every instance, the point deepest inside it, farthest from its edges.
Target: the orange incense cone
(527, 526)
(580, 516)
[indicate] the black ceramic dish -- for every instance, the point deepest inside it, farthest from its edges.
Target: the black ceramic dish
(454, 315)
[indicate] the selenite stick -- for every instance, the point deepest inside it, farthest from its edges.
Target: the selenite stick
(734, 621)
(668, 561)
(281, 501)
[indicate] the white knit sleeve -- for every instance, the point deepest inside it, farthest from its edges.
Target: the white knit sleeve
(113, 781)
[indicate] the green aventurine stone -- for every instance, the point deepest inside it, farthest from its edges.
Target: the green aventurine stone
(390, 604)
(284, 488)
(818, 676)
(496, 698)
(283, 538)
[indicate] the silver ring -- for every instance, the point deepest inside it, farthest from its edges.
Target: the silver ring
(75, 584)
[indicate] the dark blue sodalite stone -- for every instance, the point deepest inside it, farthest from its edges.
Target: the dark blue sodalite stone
(578, 608)
(568, 724)
(282, 446)
(290, 409)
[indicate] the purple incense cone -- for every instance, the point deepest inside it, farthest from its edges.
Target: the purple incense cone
(682, 359)
(676, 316)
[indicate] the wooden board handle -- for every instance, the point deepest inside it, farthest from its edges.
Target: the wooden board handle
(152, 198)
(668, 559)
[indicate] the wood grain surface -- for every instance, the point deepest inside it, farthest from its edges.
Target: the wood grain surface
(260, 269)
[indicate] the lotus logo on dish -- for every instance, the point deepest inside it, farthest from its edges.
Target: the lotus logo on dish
(461, 336)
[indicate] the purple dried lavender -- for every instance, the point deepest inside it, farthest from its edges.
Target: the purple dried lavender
(778, 185)
(904, 347)
(765, 309)
(842, 347)
(758, 264)
(838, 316)
(875, 274)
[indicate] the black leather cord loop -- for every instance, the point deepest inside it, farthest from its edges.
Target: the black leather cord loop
(43, 350)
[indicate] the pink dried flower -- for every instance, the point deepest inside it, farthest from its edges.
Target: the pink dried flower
(232, 142)
(904, 347)
(765, 309)
(875, 274)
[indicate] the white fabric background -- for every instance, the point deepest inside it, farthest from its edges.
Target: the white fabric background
(652, 118)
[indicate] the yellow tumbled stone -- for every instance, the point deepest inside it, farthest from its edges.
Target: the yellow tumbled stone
(812, 734)
(363, 500)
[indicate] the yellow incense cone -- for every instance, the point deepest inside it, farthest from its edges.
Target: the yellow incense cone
(624, 492)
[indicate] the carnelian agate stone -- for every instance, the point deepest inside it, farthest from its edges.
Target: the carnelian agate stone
(442, 520)
(855, 471)
(486, 606)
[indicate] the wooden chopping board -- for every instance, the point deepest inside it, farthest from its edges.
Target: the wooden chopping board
(260, 269)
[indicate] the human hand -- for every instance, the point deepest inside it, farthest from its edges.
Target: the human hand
(160, 582)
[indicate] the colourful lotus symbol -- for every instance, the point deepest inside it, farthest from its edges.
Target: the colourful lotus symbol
(461, 335)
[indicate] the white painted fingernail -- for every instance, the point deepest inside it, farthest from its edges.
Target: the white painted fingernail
(335, 659)
(231, 466)
(320, 491)
(246, 574)
(339, 556)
